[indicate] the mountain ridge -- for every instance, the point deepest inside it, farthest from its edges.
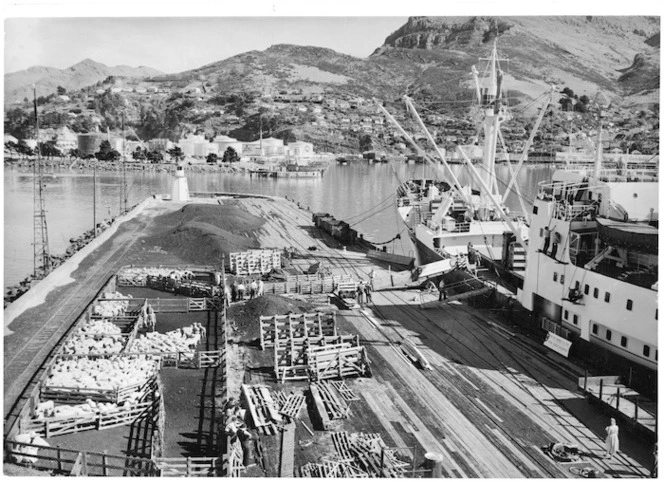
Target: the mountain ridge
(18, 85)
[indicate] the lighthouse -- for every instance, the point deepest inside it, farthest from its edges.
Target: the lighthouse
(180, 189)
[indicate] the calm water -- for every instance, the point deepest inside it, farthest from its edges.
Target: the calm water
(359, 193)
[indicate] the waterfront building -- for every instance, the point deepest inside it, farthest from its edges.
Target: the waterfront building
(159, 144)
(197, 145)
(269, 149)
(224, 142)
(89, 143)
(300, 152)
(65, 139)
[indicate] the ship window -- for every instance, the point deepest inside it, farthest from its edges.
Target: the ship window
(607, 297)
(646, 351)
(656, 311)
(586, 289)
(623, 341)
(630, 303)
(577, 285)
(566, 314)
(562, 279)
(555, 276)
(596, 292)
(608, 335)
(541, 232)
(534, 209)
(576, 320)
(594, 329)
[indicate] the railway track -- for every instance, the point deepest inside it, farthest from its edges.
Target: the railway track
(520, 383)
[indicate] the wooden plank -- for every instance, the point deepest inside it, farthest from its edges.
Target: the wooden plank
(287, 458)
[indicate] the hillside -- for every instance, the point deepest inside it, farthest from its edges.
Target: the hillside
(318, 95)
(586, 53)
(18, 85)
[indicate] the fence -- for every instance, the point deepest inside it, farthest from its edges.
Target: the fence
(187, 467)
(256, 261)
(75, 462)
(296, 326)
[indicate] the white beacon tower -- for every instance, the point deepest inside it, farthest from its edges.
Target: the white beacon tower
(180, 189)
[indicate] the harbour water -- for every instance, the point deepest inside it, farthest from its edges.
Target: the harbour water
(359, 193)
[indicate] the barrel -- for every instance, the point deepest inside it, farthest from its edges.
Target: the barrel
(434, 462)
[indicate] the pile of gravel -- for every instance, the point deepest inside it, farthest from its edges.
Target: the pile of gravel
(204, 233)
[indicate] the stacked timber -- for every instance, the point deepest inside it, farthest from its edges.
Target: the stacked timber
(368, 454)
(262, 408)
(331, 401)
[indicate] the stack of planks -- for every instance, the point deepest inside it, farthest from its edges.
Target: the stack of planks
(332, 469)
(368, 454)
(263, 409)
(331, 401)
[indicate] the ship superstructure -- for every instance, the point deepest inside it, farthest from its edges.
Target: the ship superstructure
(592, 258)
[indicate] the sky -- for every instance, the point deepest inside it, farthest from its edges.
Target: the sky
(176, 35)
(178, 44)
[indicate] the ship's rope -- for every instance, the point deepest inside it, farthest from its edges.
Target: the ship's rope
(398, 236)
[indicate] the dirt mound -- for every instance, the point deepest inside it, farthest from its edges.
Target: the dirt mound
(203, 233)
(246, 315)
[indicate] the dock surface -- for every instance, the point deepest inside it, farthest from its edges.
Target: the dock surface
(488, 405)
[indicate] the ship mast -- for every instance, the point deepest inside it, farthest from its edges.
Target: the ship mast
(42, 259)
(490, 103)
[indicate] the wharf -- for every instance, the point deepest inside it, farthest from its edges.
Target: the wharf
(488, 406)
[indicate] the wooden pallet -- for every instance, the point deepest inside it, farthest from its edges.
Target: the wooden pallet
(292, 406)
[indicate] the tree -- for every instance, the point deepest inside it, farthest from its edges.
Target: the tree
(23, 148)
(155, 157)
(366, 143)
(584, 99)
(568, 92)
(74, 153)
(139, 154)
(567, 103)
(61, 90)
(176, 153)
(106, 152)
(230, 155)
(48, 149)
(212, 158)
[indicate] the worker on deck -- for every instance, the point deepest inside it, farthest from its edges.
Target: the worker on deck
(442, 292)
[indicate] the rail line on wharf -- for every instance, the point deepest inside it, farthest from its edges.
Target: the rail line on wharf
(501, 379)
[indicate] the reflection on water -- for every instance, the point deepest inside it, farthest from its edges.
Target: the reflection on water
(359, 193)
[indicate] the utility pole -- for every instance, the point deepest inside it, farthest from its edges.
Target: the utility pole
(42, 259)
(94, 201)
(124, 170)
